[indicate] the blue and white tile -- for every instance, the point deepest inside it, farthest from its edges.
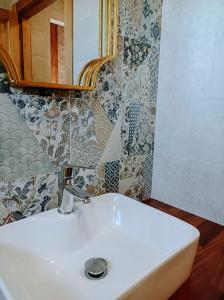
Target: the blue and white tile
(85, 179)
(49, 120)
(20, 152)
(84, 151)
(138, 138)
(23, 198)
(147, 171)
(109, 88)
(112, 176)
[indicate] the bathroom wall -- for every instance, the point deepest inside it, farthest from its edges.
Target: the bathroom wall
(109, 132)
(188, 167)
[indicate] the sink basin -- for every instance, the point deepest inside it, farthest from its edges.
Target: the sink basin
(149, 253)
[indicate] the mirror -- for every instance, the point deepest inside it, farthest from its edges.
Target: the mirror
(58, 43)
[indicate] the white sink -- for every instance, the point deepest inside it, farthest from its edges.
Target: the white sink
(150, 253)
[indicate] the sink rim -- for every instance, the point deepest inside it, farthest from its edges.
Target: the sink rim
(56, 216)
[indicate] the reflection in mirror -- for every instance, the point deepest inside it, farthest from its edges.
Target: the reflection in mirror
(46, 36)
(86, 33)
(58, 41)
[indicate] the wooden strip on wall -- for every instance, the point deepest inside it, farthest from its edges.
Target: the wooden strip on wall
(54, 52)
(27, 50)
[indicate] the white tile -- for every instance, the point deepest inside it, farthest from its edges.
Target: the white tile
(217, 89)
(187, 18)
(186, 67)
(217, 11)
(112, 149)
(191, 185)
(192, 129)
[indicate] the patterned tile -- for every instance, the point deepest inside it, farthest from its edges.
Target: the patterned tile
(122, 19)
(133, 119)
(85, 179)
(103, 126)
(112, 176)
(143, 20)
(133, 18)
(109, 88)
(20, 152)
(148, 168)
(84, 151)
(129, 167)
(143, 136)
(23, 198)
(141, 85)
(135, 51)
(132, 177)
(5, 217)
(4, 83)
(151, 21)
(137, 189)
(100, 180)
(76, 126)
(49, 120)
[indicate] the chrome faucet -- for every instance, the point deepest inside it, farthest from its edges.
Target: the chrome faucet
(67, 204)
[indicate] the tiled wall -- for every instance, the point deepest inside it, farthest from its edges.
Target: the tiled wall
(109, 132)
(189, 149)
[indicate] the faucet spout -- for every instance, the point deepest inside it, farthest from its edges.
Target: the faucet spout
(68, 194)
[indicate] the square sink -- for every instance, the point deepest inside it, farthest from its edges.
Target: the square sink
(149, 253)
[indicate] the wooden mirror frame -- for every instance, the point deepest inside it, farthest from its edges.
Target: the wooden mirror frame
(12, 59)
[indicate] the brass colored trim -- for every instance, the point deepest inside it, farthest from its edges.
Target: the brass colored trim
(84, 70)
(9, 65)
(115, 34)
(109, 33)
(98, 67)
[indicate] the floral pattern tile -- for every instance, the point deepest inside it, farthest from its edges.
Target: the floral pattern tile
(151, 21)
(85, 179)
(143, 20)
(130, 166)
(137, 189)
(133, 18)
(135, 52)
(23, 198)
(109, 88)
(142, 85)
(75, 126)
(141, 142)
(49, 120)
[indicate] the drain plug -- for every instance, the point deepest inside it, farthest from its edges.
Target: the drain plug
(96, 268)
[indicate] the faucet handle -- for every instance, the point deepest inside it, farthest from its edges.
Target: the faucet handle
(79, 193)
(68, 171)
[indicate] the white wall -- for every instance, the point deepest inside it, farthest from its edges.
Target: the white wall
(189, 145)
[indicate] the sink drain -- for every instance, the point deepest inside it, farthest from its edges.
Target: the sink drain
(96, 268)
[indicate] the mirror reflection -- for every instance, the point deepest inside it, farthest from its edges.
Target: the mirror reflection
(57, 38)
(47, 41)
